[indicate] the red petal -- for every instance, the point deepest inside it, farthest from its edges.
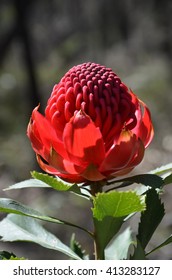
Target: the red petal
(144, 128)
(120, 155)
(46, 135)
(134, 161)
(45, 130)
(92, 174)
(46, 167)
(146, 131)
(83, 141)
(138, 155)
(72, 178)
(62, 165)
(34, 137)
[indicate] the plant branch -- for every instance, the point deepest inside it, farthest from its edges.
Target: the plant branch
(124, 184)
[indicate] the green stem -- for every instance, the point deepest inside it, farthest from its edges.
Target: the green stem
(122, 185)
(99, 253)
(96, 187)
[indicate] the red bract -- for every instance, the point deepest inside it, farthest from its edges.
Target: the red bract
(94, 127)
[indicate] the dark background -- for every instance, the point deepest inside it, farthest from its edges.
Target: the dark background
(39, 41)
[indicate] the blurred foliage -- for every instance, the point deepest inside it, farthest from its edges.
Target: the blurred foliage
(40, 41)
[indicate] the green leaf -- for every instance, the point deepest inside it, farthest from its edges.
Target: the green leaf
(150, 180)
(20, 228)
(168, 180)
(31, 183)
(59, 185)
(76, 248)
(4, 255)
(11, 206)
(119, 246)
(51, 181)
(165, 172)
(47, 181)
(139, 253)
(151, 217)
(105, 230)
(163, 169)
(117, 204)
(109, 212)
(8, 205)
(166, 242)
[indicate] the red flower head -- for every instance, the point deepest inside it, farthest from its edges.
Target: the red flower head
(94, 127)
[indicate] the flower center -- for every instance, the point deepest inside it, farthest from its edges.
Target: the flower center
(99, 92)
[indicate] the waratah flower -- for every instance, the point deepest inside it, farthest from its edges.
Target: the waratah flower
(94, 127)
